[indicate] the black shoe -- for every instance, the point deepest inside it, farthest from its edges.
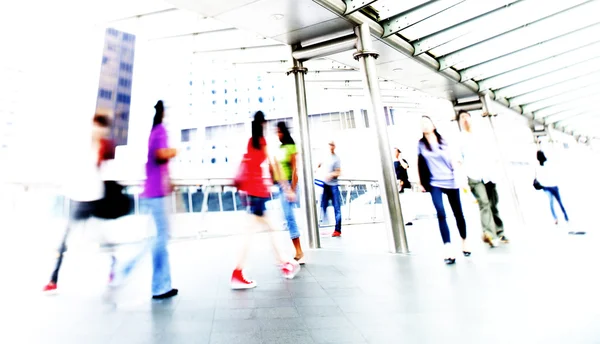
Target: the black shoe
(409, 224)
(450, 261)
(466, 253)
(504, 239)
(166, 295)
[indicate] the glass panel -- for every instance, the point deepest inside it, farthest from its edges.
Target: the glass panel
(561, 98)
(450, 17)
(557, 89)
(540, 68)
(550, 79)
(533, 54)
(572, 105)
(389, 8)
(529, 35)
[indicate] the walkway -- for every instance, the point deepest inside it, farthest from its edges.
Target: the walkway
(542, 288)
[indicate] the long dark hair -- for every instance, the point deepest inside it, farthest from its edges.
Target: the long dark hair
(439, 137)
(257, 129)
(286, 138)
(159, 113)
(541, 157)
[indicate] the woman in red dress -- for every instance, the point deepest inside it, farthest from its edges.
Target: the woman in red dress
(258, 194)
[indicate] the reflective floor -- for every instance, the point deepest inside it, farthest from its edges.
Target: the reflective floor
(542, 288)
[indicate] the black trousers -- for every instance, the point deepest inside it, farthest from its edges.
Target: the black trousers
(80, 211)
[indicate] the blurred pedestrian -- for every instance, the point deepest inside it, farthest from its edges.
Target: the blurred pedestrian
(250, 180)
(331, 189)
(480, 166)
(401, 168)
(288, 186)
(84, 186)
(546, 176)
(437, 174)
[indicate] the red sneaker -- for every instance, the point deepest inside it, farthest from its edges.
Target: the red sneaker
(336, 234)
(51, 286)
(238, 281)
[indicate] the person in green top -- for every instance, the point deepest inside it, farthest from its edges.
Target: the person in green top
(287, 161)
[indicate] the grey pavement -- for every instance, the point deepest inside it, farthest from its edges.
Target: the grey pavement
(541, 288)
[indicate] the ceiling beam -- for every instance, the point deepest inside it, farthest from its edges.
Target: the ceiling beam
(557, 89)
(536, 53)
(403, 20)
(437, 39)
(565, 115)
(577, 94)
(540, 68)
(525, 36)
(356, 5)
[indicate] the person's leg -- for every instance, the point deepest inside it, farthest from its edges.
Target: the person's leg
(556, 193)
(488, 226)
(292, 225)
(161, 269)
(80, 211)
(551, 197)
(454, 199)
(492, 193)
(337, 206)
(325, 197)
(438, 203)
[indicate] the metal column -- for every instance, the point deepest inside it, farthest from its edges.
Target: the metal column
(308, 189)
(390, 196)
(486, 102)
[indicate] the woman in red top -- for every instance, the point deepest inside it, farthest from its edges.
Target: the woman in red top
(258, 194)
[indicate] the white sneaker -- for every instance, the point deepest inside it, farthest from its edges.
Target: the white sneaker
(290, 269)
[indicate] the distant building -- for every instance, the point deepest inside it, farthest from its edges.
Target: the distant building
(116, 74)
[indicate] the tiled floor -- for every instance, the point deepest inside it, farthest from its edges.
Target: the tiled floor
(542, 288)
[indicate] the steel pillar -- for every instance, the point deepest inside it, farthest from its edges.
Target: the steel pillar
(308, 189)
(390, 196)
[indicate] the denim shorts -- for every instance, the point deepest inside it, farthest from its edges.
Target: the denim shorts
(258, 205)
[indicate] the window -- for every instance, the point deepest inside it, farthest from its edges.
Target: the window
(123, 82)
(105, 94)
(126, 67)
(123, 98)
(365, 117)
(127, 37)
(104, 60)
(188, 135)
(125, 116)
(112, 32)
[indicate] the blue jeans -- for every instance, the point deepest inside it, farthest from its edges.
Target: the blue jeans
(332, 192)
(454, 199)
(288, 213)
(161, 270)
(553, 193)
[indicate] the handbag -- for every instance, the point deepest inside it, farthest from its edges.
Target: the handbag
(537, 185)
(115, 203)
(241, 176)
(424, 173)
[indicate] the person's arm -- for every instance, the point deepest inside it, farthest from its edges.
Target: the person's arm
(162, 152)
(337, 170)
(404, 164)
(165, 153)
(293, 165)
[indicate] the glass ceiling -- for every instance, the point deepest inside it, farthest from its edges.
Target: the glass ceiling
(543, 56)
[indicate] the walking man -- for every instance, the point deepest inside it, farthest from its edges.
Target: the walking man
(479, 167)
(331, 190)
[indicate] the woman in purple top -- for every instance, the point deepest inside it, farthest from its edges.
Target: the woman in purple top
(156, 188)
(442, 180)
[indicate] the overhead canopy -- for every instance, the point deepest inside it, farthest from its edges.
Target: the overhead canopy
(540, 57)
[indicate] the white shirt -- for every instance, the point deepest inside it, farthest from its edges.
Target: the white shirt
(478, 157)
(83, 180)
(546, 175)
